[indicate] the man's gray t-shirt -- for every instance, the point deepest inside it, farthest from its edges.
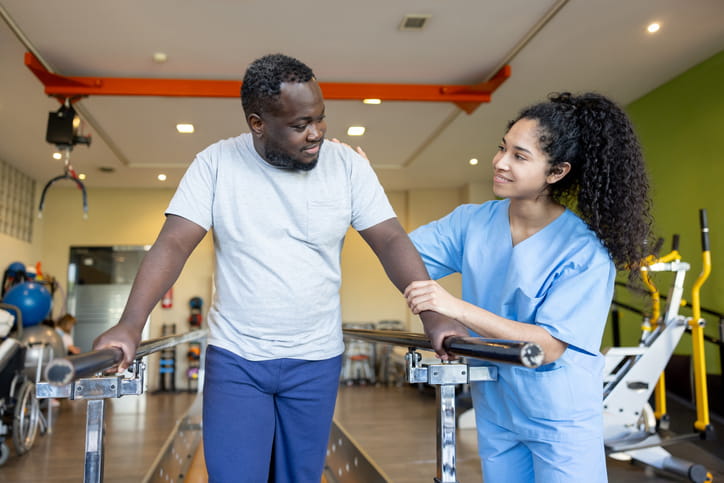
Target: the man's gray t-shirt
(278, 236)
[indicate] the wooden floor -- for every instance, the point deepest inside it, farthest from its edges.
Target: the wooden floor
(394, 425)
(396, 428)
(136, 429)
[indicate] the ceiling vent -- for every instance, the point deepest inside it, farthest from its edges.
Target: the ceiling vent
(414, 22)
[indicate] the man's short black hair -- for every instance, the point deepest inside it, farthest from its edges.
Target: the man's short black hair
(263, 79)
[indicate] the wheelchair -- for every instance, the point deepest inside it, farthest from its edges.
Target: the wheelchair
(20, 414)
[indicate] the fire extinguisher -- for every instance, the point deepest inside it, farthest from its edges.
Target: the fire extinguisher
(167, 300)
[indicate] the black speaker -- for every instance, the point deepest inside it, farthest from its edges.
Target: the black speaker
(60, 126)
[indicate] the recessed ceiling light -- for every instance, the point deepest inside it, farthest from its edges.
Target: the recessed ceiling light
(160, 57)
(653, 27)
(372, 101)
(161, 177)
(81, 176)
(185, 128)
(473, 162)
(57, 155)
(355, 130)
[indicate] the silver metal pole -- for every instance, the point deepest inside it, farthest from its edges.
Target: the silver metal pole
(447, 375)
(95, 415)
(64, 370)
(445, 395)
(525, 354)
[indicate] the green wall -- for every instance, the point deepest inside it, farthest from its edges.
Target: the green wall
(681, 128)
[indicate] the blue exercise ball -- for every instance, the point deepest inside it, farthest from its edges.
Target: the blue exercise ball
(15, 268)
(32, 299)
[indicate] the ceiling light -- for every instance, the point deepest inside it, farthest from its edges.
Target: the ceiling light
(355, 131)
(473, 162)
(161, 177)
(653, 28)
(372, 101)
(81, 176)
(160, 57)
(185, 128)
(57, 155)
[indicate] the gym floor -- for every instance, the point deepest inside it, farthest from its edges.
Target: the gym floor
(394, 425)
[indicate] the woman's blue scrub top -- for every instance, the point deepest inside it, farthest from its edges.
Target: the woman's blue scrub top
(561, 278)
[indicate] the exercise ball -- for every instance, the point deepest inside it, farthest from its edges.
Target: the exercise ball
(43, 343)
(32, 299)
(15, 268)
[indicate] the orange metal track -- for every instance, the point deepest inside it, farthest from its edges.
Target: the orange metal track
(467, 98)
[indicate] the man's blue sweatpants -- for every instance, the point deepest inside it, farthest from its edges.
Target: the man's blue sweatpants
(267, 420)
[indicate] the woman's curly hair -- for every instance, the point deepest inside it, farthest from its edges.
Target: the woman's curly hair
(607, 184)
(261, 87)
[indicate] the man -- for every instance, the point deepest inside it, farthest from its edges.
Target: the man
(280, 201)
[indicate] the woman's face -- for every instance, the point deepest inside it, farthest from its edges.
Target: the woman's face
(521, 170)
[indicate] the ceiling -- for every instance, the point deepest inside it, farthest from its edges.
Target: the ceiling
(550, 45)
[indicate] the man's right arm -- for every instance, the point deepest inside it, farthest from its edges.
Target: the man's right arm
(159, 270)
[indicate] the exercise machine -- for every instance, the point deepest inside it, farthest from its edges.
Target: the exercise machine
(632, 429)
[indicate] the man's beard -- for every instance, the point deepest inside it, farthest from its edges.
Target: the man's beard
(284, 161)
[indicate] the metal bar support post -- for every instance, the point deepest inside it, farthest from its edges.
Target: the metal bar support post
(94, 434)
(65, 376)
(445, 377)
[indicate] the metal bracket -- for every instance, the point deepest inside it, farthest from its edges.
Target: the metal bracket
(445, 376)
(97, 387)
(96, 390)
(446, 372)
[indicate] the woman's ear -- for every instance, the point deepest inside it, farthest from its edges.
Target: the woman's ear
(558, 172)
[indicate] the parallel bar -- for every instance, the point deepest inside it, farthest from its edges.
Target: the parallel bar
(526, 354)
(63, 370)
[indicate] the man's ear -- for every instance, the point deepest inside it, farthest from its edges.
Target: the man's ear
(558, 172)
(256, 125)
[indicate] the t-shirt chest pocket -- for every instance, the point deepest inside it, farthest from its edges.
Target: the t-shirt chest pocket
(328, 220)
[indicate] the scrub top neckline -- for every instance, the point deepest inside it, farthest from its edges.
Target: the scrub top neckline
(509, 232)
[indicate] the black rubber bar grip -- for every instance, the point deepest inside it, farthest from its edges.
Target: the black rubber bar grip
(526, 354)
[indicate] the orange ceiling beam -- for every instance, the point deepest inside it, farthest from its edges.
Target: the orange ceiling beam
(467, 98)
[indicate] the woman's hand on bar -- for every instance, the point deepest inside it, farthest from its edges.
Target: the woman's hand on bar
(429, 295)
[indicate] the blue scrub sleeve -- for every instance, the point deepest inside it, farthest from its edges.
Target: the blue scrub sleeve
(576, 306)
(441, 242)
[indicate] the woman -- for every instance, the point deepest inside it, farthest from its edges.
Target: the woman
(539, 265)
